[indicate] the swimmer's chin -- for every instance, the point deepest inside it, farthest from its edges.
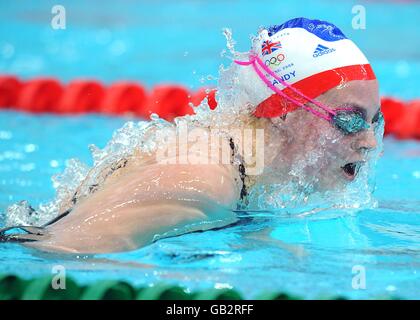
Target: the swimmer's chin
(337, 182)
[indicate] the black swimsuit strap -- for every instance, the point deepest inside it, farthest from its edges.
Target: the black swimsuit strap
(59, 217)
(241, 168)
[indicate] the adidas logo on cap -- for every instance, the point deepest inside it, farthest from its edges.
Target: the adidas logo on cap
(321, 50)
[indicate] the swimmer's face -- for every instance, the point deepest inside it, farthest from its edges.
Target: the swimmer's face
(329, 155)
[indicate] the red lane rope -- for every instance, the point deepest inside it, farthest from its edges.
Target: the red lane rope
(82, 96)
(402, 119)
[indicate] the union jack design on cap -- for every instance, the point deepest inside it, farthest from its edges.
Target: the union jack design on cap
(269, 47)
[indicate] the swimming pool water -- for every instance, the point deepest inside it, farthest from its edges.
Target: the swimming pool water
(181, 43)
(314, 257)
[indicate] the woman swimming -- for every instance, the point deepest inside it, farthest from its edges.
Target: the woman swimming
(306, 116)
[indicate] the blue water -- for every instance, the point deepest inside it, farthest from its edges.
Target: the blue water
(181, 43)
(248, 257)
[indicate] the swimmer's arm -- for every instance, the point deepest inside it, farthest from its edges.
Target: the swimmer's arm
(139, 207)
(186, 198)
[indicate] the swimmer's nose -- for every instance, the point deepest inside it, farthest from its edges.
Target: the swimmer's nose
(366, 140)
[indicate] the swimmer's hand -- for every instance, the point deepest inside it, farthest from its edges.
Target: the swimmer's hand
(144, 203)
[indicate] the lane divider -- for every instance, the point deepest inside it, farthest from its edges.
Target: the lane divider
(81, 96)
(13, 287)
(402, 118)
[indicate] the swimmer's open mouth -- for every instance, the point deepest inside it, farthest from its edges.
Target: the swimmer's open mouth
(351, 169)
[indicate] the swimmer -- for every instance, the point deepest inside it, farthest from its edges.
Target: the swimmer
(309, 89)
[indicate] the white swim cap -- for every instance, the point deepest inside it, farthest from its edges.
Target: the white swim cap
(312, 55)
